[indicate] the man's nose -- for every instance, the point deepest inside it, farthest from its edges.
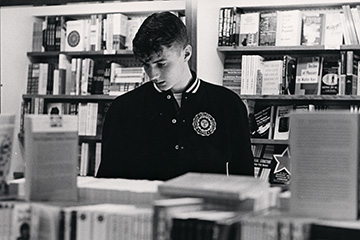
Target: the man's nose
(153, 73)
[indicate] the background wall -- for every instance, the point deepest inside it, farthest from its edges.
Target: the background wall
(16, 30)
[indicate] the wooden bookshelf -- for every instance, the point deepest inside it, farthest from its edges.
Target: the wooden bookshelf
(34, 103)
(260, 141)
(62, 97)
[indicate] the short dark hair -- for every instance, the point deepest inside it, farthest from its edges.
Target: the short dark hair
(159, 30)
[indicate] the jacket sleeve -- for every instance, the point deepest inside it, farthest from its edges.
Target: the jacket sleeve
(242, 160)
(111, 144)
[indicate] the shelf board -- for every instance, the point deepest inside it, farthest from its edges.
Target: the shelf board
(302, 97)
(259, 141)
(82, 53)
(281, 50)
(262, 98)
(90, 138)
(65, 98)
(81, 138)
(126, 7)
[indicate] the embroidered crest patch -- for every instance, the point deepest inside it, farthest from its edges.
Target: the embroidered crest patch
(204, 124)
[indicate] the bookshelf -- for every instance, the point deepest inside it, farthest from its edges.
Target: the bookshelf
(50, 53)
(263, 144)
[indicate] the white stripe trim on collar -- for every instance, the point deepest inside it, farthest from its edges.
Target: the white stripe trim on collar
(192, 89)
(156, 88)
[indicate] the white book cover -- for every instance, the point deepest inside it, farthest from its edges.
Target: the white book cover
(288, 30)
(246, 86)
(108, 28)
(84, 159)
(325, 173)
(82, 118)
(84, 76)
(75, 35)
(356, 18)
(43, 78)
(272, 77)
(133, 26)
(249, 29)
(119, 30)
(56, 82)
(51, 150)
(91, 122)
(333, 31)
(21, 221)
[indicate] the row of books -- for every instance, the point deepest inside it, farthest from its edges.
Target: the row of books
(255, 75)
(289, 27)
(65, 221)
(272, 163)
(82, 76)
(273, 122)
(110, 32)
(124, 79)
(90, 115)
(185, 218)
(89, 158)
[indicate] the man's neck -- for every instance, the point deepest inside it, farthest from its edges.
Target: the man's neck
(184, 84)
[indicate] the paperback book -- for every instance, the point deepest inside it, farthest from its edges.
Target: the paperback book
(308, 73)
(249, 29)
(267, 29)
(288, 28)
(321, 185)
(312, 30)
(51, 154)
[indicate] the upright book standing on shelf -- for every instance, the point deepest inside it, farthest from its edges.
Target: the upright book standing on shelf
(7, 125)
(249, 29)
(288, 75)
(288, 28)
(330, 77)
(75, 35)
(308, 74)
(51, 145)
(282, 121)
(267, 29)
(325, 164)
(272, 77)
(333, 34)
(313, 30)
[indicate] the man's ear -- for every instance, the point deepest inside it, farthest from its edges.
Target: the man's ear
(187, 52)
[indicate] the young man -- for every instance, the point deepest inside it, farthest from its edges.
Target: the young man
(176, 123)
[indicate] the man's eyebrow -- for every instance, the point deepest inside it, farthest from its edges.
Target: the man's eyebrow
(146, 61)
(160, 60)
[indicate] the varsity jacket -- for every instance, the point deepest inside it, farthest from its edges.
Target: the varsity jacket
(146, 135)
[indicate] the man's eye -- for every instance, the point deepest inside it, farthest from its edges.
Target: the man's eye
(161, 65)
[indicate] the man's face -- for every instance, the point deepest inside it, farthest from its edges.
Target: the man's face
(166, 69)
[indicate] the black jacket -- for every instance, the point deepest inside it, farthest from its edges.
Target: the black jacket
(147, 136)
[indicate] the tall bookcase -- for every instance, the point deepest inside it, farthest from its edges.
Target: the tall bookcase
(339, 101)
(133, 9)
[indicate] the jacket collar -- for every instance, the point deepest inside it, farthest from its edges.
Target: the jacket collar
(192, 87)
